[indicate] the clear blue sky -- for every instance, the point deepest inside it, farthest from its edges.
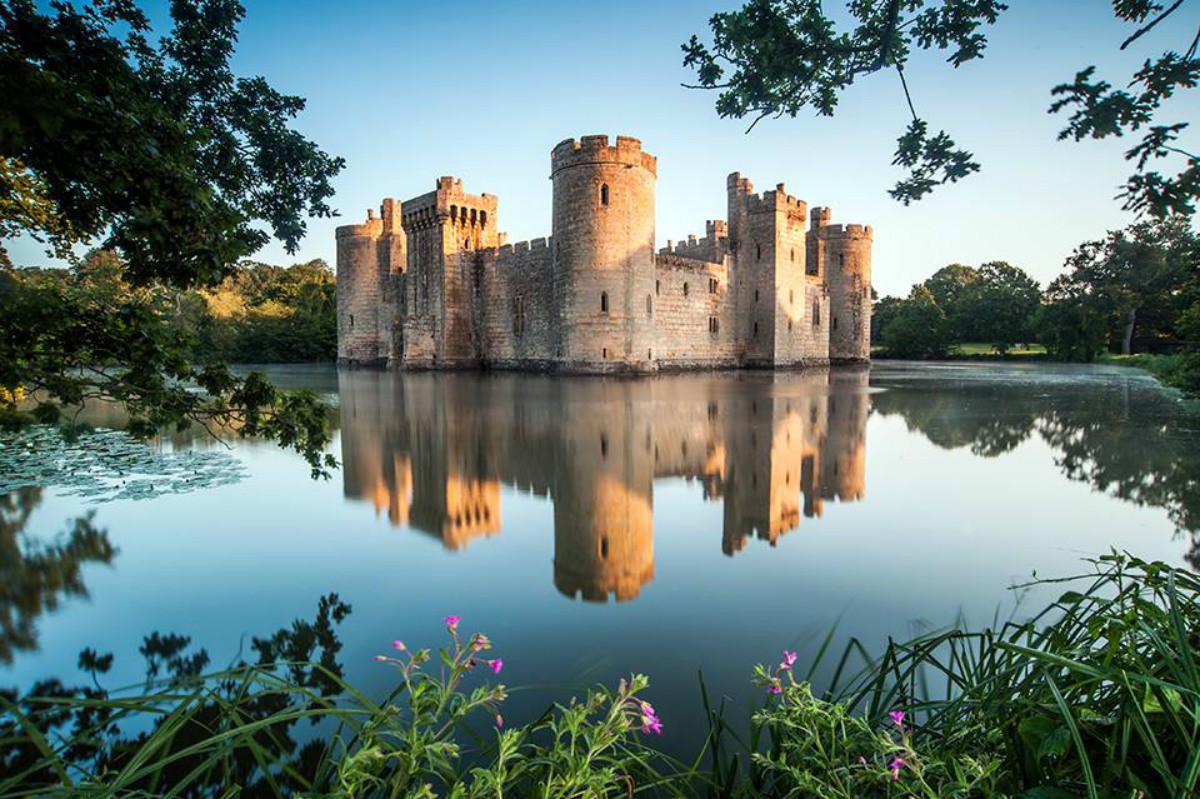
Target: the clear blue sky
(408, 91)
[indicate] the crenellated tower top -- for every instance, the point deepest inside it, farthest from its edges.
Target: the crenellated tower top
(596, 149)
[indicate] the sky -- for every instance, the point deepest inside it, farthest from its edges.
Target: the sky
(409, 91)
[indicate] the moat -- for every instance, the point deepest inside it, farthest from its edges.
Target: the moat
(595, 526)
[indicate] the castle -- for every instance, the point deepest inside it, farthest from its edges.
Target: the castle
(431, 283)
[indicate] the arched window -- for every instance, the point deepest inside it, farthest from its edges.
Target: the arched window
(604, 302)
(604, 194)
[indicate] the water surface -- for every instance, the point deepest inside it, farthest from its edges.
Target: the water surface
(594, 527)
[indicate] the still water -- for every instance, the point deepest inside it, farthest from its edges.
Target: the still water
(595, 527)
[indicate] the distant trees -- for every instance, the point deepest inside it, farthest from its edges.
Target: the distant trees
(1000, 305)
(996, 303)
(266, 314)
(1135, 286)
(918, 327)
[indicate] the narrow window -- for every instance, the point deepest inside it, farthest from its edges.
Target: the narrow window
(604, 353)
(793, 255)
(789, 325)
(756, 329)
(816, 314)
(685, 289)
(841, 259)
(649, 306)
(835, 323)
(604, 302)
(351, 320)
(604, 548)
(604, 194)
(603, 446)
(756, 295)
(758, 252)
(791, 296)
(657, 286)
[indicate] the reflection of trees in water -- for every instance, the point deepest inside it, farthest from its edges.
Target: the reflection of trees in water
(275, 759)
(1122, 435)
(35, 576)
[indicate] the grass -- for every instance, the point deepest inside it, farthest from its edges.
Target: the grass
(1097, 696)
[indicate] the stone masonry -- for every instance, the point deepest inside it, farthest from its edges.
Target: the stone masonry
(430, 283)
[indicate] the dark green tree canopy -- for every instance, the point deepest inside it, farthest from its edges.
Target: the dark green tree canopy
(779, 57)
(179, 168)
(155, 150)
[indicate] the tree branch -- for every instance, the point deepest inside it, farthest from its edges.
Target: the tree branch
(1147, 28)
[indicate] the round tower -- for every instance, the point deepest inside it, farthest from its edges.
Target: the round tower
(603, 240)
(359, 292)
(848, 273)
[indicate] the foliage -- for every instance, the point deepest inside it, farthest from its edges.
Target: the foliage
(151, 143)
(265, 314)
(1181, 370)
(950, 287)
(778, 57)
(1135, 285)
(919, 328)
(1001, 305)
(151, 146)
(1098, 695)
(88, 334)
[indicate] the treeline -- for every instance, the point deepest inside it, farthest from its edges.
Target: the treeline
(1135, 291)
(259, 314)
(265, 314)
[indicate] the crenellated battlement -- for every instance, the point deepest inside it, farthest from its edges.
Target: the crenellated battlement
(596, 149)
(776, 199)
(850, 231)
(431, 282)
(372, 228)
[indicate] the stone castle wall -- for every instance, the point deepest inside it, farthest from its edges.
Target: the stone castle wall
(431, 283)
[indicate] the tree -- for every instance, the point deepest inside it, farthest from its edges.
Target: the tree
(777, 57)
(883, 313)
(1001, 304)
(950, 287)
(162, 155)
(1138, 280)
(919, 328)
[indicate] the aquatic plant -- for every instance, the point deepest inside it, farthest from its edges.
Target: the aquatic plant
(1097, 696)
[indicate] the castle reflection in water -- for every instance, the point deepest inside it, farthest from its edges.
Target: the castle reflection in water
(432, 450)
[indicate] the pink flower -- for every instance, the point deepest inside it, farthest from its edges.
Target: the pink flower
(499, 721)
(789, 660)
(452, 622)
(496, 665)
(897, 716)
(480, 641)
(895, 766)
(862, 760)
(381, 657)
(775, 687)
(651, 723)
(398, 646)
